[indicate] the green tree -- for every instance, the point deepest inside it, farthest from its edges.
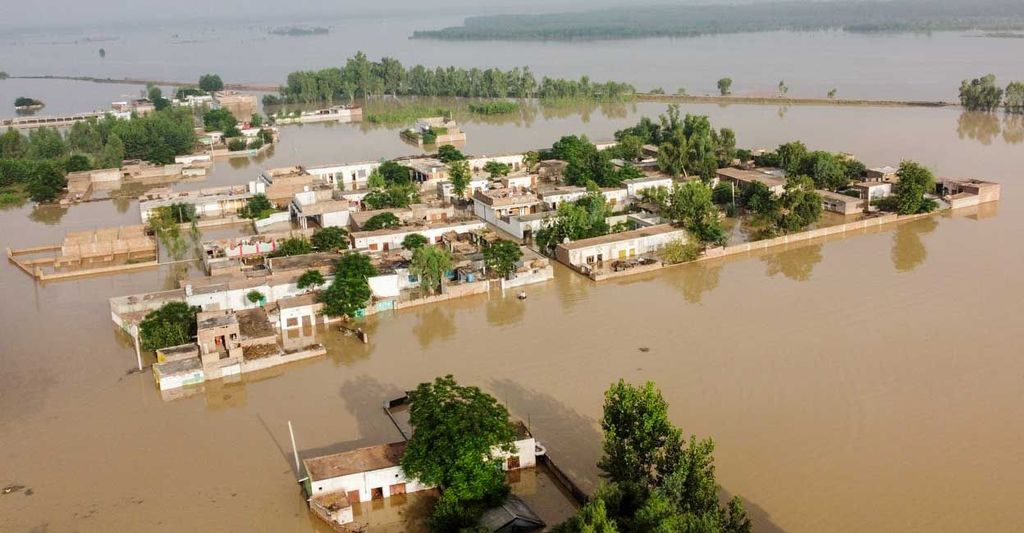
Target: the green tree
(394, 173)
(85, 137)
(673, 155)
(1014, 102)
(211, 83)
(827, 170)
(725, 86)
(77, 163)
(691, 206)
(220, 120)
(980, 94)
(13, 144)
(382, 221)
(311, 279)
(330, 239)
(46, 143)
(791, 155)
(256, 120)
(293, 246)
(350, 290)
(376, 180)
(631, 148)
(496, 169)
(459, 435)
(639, 440)
(430, 264)
(832, 93)
(113, 152)
(47, 182)
(915, 180)
(447, 153)
(414, 241)
(173, 324)
(256, 297)
(257, 207)
(591, 518)
(783, 89)
(458, 172)
(501, 256)
(156, 96)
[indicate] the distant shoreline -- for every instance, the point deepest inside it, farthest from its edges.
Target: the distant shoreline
(639, 97)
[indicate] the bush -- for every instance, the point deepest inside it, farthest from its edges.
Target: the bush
(236, 145)
(172, 324)
(330, 239)
(678, 251)
(382, 221)
(256, 297)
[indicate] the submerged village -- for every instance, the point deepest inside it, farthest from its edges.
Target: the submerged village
(339, 244)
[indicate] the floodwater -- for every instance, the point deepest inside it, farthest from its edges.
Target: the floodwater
(897, 66)
(867, 383)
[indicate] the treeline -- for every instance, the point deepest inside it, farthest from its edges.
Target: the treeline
(686, 21)
(36, 164)
(982, 94)
(361, 78)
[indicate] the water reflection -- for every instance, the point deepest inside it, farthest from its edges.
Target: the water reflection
(50, 215)
(1013, 128)
(505, 310)
(796, 264)
(908, 250)
(698, 279)
(437, 322)
(981, 127)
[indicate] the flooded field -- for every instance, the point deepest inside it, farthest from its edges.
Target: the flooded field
(861, 384)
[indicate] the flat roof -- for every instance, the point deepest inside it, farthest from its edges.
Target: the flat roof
(647, 179)
(180, 366)
(218, 321)
(297, 301)
(751, 176)
(651, 231)
(356, 461)
(839, 196)
(305, 261)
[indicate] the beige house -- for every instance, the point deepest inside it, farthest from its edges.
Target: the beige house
(241, 105)
(743, 178)
(841, 203)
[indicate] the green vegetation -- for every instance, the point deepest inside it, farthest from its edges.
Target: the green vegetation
(300, 31)
(685, 146)
(679, 251)
(414, 241)
(458, 432)
(915, 180)
(257, 207)
(311, 279)
(156, 96)
(330, 239)
(392, 187)
(256, 297)
(494, 108)
(4, 75)
(725, 86)
(447, 153)
(501, 256)
(173, 324)
(382, 221)
(221, 120)
(690, 206)
(829, 171)
(496, 169)
(586, 164)
(1014, 102)
(350, 290)
(429, 264)
(577, 220)
(236, 145)
(210, 83)
(361, 77)
(692, 20)
(24, 101)
(795, 209)
(293, 246)
(459, 174)
(405, 114)
(980, 94)
(184, 92)
(657, 479)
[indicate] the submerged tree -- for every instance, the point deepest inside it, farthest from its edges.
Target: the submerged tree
(980, 94)
(173, 324)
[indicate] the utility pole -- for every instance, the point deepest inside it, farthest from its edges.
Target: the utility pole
(138, 352)
(295, 450)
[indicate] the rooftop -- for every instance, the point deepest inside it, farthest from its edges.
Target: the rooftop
(181, 366)
(622, 236)
(217, 320)
(355, 461)
(506, 196)
(750, 176)
(302, 262)
(254, 323)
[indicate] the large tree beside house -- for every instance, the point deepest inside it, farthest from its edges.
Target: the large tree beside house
(501, 257)
(457, 432)
(430, 263)
(350, 290)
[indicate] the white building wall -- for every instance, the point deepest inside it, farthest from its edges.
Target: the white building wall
(394, 240)
(366, 481)
(630, 247)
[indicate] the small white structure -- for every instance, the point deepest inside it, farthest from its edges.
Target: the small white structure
(391, 238)
(636, 186)
(324, 206)
(346, 176)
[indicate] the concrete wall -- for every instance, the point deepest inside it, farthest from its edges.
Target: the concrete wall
(365, 481)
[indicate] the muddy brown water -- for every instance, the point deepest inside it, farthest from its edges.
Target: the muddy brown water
(867, 383)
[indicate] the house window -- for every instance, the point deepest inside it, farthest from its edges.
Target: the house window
(373, 246)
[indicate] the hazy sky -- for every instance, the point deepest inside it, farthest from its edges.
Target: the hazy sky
(82, 13)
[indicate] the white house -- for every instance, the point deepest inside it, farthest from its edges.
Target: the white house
(391, 238)
(615, 246)
(635, 186)
(560, 195)
(346, 176)
(323, 206)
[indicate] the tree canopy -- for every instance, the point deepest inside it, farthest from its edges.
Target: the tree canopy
(980, 94)
(908, 193)
(690, 205)
(458, 434)
(430, 264)
(350, 290)
(382, 221)
(173, 324)
(501, 256)
(211, 83)
(311, 279)
(330, 239)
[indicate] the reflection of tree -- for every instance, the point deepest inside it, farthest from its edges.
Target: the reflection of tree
(122, 203)
(982, 127)
(504, 310)
(1013, 128)
(698, 278)
(50, 215)
(783, 109)
(432, 324)
(796, 264)
(238, 162)
(908, 250)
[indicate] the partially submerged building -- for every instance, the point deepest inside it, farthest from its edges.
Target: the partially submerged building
(969, 192)
(841, 203)
(82, 253)
(617, 252)
(742, 178)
